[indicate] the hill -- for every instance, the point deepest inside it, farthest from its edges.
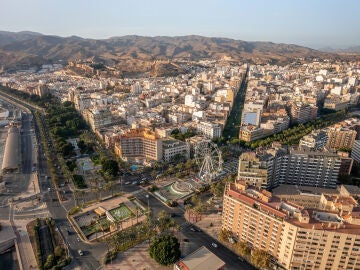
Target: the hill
(28, 48)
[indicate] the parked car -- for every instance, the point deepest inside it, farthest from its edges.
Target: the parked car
(214, 245)
(81, 253)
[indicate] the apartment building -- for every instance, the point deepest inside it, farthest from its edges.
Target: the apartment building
(316, 140)
(210, 130)
(302, 113)
(173, 148)
(340, 137)
(355, 152)
(296, 237)
(267, 168)
(309, 168)
(256, 169)
(249, 133)
(97, 118)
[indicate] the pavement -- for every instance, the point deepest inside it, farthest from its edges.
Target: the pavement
(136, 258)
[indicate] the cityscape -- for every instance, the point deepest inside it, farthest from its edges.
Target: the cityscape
(175, 151)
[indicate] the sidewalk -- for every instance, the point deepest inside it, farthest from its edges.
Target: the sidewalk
(206, 220)
(136, 258)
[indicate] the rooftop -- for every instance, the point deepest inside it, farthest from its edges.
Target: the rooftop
(200, 259)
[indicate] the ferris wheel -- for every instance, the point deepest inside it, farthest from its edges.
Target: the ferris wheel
(208, 157)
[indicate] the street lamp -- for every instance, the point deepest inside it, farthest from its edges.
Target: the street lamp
(147, 196)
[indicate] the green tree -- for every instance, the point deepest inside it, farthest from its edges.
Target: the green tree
(110, 167)
(165, 249)
(164, 222)
(49, 261)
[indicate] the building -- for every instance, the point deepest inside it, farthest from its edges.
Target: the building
(97, 118)
(139, 144)
(42, 89)
(308, 197)
(309, 168)
(336, 103)
(355, 152)
(340, 137)
(277, 165)
(256, 169)
(175, 148)
(249, 133)
(314, 141)
(210, 130)
(145, 144)
(12, 156)
(302, 113)
(296, 237)
(200, 259)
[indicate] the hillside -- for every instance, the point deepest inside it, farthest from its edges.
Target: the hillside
(28, 48)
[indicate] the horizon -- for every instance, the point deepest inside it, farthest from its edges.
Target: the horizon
(149, 36)
(314, 24)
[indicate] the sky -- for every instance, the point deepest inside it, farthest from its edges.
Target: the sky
(313, 23)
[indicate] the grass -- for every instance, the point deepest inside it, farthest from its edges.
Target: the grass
(121, 212)
(102, 224)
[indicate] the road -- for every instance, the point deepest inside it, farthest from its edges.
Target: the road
(93, 252)
(202, 239)
(198, 237)
(19, 182)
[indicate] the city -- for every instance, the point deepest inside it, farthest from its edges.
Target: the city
(178, 152)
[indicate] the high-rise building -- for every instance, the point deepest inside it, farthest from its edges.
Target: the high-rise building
(355, 152)
(139, 144)
(308, 168)
(340, 137)
(270, 167)
(145, 144)
(295, 237)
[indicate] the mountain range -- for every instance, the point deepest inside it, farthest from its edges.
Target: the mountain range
(24, 49)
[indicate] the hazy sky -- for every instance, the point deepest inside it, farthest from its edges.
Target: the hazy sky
(315, 23)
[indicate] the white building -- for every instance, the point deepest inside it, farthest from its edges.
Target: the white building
(210, 130)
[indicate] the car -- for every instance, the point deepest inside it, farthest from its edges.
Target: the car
(127, 183)
(214, 245)
(241, 259)
(192, 229)
(186, 240)
(81, 253)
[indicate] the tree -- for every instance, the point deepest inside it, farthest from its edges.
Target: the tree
(58, 251)
(224, 235)
(164, 222)
(49, 261)
(243, 249)
(165, 249)
(110, 167)
(217, 189)
(260, 258)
